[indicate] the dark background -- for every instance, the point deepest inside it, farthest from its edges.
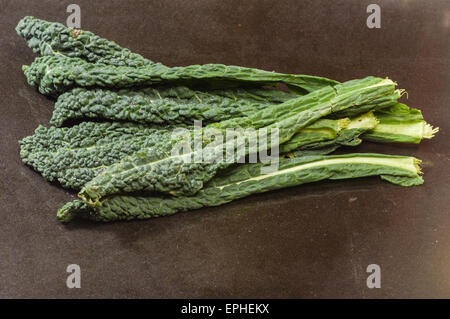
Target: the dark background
(310, 241)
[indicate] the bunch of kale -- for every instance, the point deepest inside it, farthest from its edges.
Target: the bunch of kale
(113, 128)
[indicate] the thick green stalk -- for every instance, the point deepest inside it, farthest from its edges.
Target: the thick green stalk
(400, 124)
(246, 179)
(326, 134)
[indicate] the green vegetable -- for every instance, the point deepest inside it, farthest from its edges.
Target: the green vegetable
(129, 170)
(55, 74)
(171, 105)
(337, 100)
(178, 105)
(183, 175)
(74, 155)
(54, 39)
(400, 124)
(246, 179)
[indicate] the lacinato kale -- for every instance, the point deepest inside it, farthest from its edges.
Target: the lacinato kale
(246, 179)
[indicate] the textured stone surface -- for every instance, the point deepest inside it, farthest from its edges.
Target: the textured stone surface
(309, 241)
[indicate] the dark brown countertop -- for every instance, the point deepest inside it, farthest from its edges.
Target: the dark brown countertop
(308, 241)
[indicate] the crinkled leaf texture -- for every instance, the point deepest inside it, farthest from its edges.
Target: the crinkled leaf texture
(181, 175)
(246, 179)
